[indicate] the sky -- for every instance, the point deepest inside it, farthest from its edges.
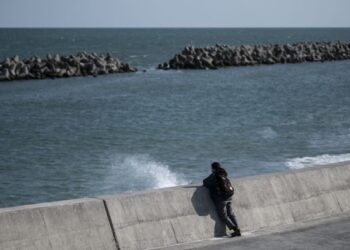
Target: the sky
(174, 13)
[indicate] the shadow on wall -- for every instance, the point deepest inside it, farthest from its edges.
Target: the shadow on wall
(204, 206)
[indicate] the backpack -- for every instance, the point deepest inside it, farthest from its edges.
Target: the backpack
(225, 188)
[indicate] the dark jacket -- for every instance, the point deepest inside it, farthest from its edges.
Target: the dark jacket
(211, 183)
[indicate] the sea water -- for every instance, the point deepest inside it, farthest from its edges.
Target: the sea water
(78, 137)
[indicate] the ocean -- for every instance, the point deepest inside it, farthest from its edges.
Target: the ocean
(86, 137)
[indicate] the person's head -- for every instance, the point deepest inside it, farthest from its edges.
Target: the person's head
(215, 166)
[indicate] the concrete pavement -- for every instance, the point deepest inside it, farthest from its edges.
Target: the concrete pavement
(327, 233)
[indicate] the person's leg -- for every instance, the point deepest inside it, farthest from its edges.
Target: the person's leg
(231, 214)
(221, 210)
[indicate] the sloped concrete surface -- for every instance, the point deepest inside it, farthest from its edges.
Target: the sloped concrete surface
(284, 198)
(163, 217)
(73, 224)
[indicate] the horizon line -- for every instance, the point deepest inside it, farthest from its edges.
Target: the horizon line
(213, 27)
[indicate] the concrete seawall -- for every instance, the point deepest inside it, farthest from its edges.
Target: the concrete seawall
(176, 215)
(73, 224)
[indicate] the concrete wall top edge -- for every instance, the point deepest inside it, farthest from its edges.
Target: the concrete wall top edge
(48, 204)
(147, 191)
(244, 178)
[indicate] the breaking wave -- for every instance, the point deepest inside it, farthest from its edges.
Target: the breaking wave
(139, 172)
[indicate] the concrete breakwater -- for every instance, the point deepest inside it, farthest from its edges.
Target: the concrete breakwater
(164, 217)
(224, 55)
(82, 64)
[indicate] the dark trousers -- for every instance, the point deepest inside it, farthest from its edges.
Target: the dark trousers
(225, 213)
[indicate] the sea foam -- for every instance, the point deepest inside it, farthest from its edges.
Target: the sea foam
(302, 162)
(268, 133)
(156, 174)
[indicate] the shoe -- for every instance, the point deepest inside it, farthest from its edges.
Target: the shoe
(237, 232)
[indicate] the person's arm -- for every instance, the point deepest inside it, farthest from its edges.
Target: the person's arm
(208, 182)
(205, 182)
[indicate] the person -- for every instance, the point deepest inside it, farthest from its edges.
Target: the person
(222, 198)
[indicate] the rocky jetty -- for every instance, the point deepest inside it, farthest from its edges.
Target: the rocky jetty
(83, 64)
(223, 55)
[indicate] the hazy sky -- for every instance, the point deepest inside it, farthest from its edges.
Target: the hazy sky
(174, 13)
